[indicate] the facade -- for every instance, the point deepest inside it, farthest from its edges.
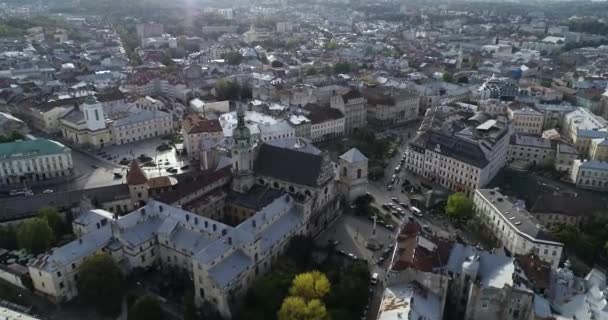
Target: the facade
(325, 123)
(529, 150)
(33, 161)
(592, 174)
(581, 127)
(353, 170)
(526, 120)
(388, 107)
(352, 105)
(99, 125)
(463, 160)
(195, 128)
(515, 228)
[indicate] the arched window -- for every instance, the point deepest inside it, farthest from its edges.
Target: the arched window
(359, 174)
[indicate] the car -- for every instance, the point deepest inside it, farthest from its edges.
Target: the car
(396, 214)
(352, 256)
(397, 169)
(385, 206)
(342, 252)
(387, 252)
(374, 278)
(94, 166)
(395, 199)
(427, 229)
(389, 227)
(47, 191)
(381, 260)
(185, 167)
(403, 204)
(391, 205)
(389, 187)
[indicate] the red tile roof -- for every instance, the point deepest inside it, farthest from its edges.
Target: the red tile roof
(420, 251)
(136, 175)
(195, 123)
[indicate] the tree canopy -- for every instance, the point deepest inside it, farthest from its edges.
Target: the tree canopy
(233, 58)
(310, 285)
(35, 236)
(146, 308)
(99, 277)
(342, 67)
(51, 215)
(296, 308)
(447, 77)
(459, 206)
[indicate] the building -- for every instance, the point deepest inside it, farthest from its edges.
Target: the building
(498, 88)
(352, 105)
(514, 227)
(386, 107)
(552, 209)
(33, 161)
(99, 125)
(222, 260)
(581, 127)
(462, 151)
(591, 174)
(8, 314)
(526, 120)
(325, 123)
(194, 128)
(531, 150)
(353, 168)
(148, 30)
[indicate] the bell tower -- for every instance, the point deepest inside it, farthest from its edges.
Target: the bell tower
(243, 154)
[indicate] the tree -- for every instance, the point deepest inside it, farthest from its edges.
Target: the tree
(459, 206)
(100, 277)
(266, 296)
(342, 67)
(277, 64)
(227, 90)
(35, 236)
(447, 77)
(310, 285)
(233, 58)
(311, 71)
(52, 217)
(146, 308)
(296, 308)
(8, 238)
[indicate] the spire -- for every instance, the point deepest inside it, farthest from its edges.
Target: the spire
(135, 175)
(90, 99)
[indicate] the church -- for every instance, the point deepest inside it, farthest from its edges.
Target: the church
(228, 236)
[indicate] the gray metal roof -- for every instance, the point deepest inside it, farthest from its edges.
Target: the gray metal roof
(353, 156)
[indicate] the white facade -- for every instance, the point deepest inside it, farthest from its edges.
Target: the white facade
(33, 161)
(591, 174)
(526, 120)
(327, 130)
(514, 227)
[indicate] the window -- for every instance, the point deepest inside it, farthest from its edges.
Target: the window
(73, 266)
(359, 174)
(59, 273)
(97, 115)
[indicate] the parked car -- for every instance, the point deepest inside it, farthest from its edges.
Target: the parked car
(47, 191)
(352, 256)
(403, 204)
(389, 187)
(395, 199)
(381, 260)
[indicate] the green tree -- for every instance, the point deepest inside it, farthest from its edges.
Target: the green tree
(342, 67)
(35, 236)
(310, 285)
(8, 237)
(100, 283)
(300, 250)
(227, 90)
(447, 77)
(267, 294)
(296, 308)
(233, 58)
(459, 206)
(311, 71)
(277, 64)
(52, 217)
(146, 308)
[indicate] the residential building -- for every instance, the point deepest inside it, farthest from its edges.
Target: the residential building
(325, 123)
(591, 174)
(353, 168)
(462, 151)
(525, 120)
(526, 150)
(10, 124)
(8, 314)
(352, 105)
(196, 127)
(552, 209)
(581, 127)
(33, 161)
(498, 88)
(387, 107)
(515, 228)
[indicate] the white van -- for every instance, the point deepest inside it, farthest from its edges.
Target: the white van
(374, 278)
(416, 211)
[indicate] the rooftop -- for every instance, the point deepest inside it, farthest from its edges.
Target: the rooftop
(31, 148)
(517, 217)
(409, 301)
